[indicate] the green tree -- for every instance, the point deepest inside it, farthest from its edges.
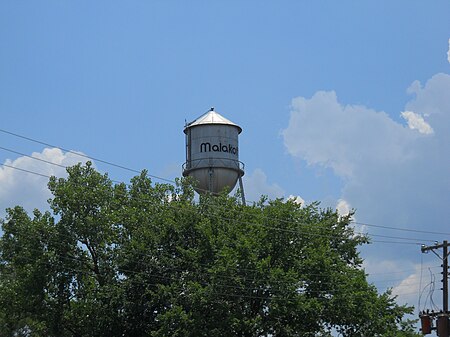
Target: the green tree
(147, 260)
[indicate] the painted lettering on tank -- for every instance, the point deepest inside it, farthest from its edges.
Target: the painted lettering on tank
(207, 147)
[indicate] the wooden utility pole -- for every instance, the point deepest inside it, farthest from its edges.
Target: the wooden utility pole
(443, 316)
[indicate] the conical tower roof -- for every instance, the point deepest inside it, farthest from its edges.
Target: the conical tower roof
(212, 117)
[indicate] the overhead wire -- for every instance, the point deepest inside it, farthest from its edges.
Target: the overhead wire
(38, 159)
(292, 231)
(400, 228)
(400, 271)
(34, 158)
(418, 241)
(420, 283)
(173, 182)
(184, 294)
(390, 280)
(240, 268)
(59, 165)
(143, 255)
(433, 277)
(83, 155)
(25, 170)
(165, 179)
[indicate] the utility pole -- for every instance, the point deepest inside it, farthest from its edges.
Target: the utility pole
(445, 276)
(443, 316)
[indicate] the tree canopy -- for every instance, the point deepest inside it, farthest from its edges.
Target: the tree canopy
(148, 259)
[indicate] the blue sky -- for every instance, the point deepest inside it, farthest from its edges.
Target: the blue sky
(340, 101)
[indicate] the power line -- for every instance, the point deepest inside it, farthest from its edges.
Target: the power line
(394, 237)
(173, 182)
(86, 156)
(35, 158)
(38, 159)
(314, 234)
(281, 220)
(395, 279)
(398, 272)
(400, 229)
(397, 242)
(83, 155)
(141, 261)
(25, 170)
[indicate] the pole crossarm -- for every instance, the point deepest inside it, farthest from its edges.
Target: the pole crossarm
(445, 244)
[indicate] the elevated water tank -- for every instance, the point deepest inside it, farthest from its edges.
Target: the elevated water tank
(212, 153)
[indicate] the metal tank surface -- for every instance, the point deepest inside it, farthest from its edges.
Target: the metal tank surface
(212, 153)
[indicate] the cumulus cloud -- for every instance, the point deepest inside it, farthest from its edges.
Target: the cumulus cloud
(432, 99)
(324, 132)
(392, 174)
(416, 122)
(256, 184)
(30, 190)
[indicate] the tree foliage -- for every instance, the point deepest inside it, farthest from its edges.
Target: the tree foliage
(148, 260)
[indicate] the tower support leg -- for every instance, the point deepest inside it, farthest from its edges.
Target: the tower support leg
(241, 187)
(210, 182)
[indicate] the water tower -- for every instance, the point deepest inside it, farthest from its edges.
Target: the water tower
(212, 153)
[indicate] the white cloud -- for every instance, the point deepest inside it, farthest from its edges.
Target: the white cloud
(405, 279)
(376, 267)
(432, 100)
(29, 190)
(420, 288)
(392, 175)
(324, 132)
(343, 207)
(297, 199)
(448, 52)
(256, 184)
(416, 122)
(408, 290)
